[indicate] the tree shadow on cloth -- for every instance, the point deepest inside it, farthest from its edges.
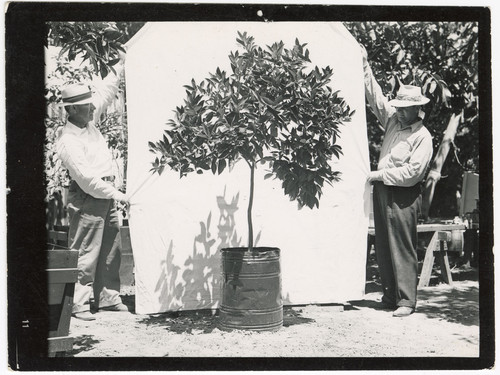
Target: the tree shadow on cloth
(166, 282)
(202, 269)
(200, 285)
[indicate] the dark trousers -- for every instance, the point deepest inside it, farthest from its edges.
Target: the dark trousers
(94, 231)
(396, 212)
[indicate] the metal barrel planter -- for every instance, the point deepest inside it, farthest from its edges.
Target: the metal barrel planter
(251, 289)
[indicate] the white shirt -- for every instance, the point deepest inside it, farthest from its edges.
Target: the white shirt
(406, 152)
(84, 151)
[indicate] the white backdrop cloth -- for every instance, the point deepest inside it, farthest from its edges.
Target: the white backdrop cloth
(178, 226)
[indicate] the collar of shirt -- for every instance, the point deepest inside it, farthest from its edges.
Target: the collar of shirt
(413, 127)
(72, 128)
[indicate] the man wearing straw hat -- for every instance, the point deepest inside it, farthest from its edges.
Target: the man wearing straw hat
(93, 227)
(404, 157)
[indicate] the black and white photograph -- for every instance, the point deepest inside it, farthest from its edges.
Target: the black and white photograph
(249, 187)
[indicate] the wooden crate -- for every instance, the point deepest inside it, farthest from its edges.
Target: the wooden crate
(62, 274)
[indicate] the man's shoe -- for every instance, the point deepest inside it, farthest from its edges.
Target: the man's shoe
(117, 307)
(403, 311)
(83, 315)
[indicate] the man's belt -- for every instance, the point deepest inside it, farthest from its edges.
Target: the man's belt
(108, 178)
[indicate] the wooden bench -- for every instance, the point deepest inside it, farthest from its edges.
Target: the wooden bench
(437, 249)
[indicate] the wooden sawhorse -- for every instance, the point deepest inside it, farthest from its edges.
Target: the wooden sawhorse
(438, 248)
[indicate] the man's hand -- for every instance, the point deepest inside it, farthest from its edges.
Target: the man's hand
(374, 176)
(122, 198)
(125, 200)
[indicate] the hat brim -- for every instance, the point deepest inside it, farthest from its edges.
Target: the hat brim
(84, 101)
(408, 103)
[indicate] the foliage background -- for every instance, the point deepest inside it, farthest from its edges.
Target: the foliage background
(86, 50)
(440, 56)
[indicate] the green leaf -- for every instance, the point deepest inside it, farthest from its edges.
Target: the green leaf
(221, 166)
(214, 165)
(274, 130)
(266, 100)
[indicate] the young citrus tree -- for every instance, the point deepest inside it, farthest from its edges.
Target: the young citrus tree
(268, 110)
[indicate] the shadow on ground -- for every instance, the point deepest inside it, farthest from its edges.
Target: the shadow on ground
(438, 301)
(453, 305)
(184, 321)
(129, 301)
(375, 305)
(293, 317)
(83, 343)
(207, 320)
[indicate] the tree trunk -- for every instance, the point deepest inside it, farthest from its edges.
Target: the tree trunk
(437, 164)
(250, 204)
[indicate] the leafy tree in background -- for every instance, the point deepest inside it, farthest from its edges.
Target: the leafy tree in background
(442, 57)
(98, 42)
(98, 45)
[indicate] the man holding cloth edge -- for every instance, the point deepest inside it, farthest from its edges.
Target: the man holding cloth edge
(404, 157)
(94, 227)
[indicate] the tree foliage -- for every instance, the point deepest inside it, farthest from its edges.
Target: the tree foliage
(442, 58)
(111, 125)
(56, 175)
(269, 109)
(98, 42)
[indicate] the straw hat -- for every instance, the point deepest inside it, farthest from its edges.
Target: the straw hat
(77, 93)
(409, 95)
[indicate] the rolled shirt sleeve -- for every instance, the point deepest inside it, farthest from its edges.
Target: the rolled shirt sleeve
(378, 102)
(105, 90)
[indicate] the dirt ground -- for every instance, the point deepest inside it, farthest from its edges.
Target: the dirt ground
(446, 324)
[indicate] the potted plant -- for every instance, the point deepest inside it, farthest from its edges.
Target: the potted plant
(269, 110)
